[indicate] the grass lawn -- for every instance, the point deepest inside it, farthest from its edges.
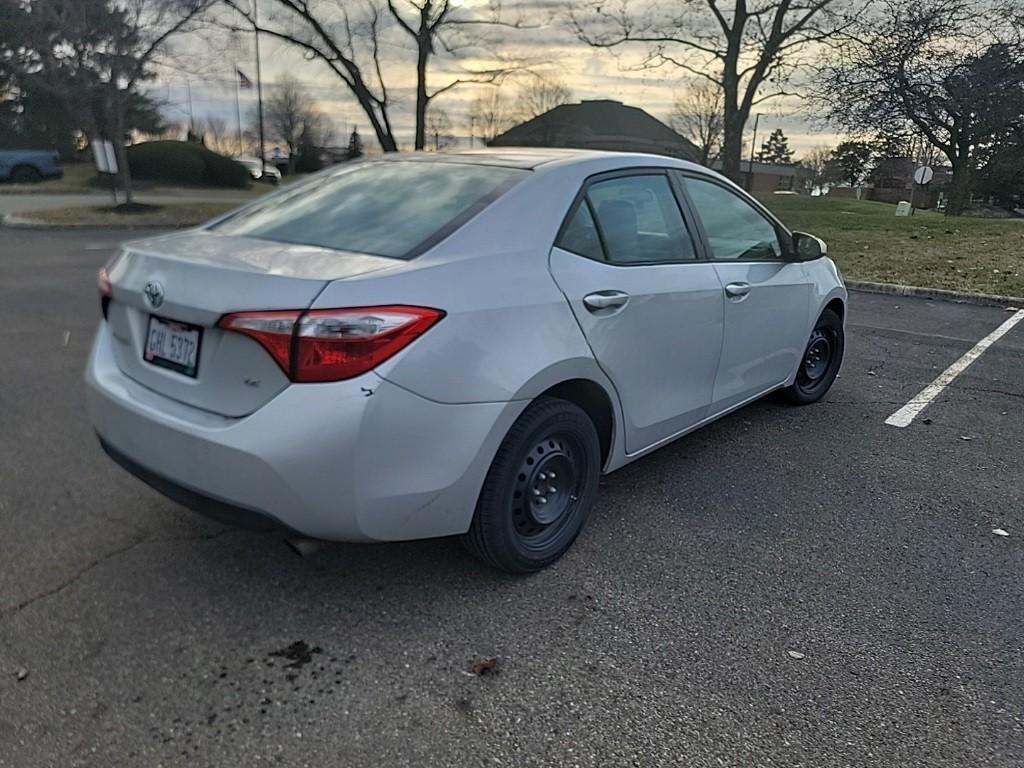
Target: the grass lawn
(174, 215)
(927, 249)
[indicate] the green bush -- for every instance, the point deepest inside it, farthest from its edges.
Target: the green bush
(185, 162)
(223, 171)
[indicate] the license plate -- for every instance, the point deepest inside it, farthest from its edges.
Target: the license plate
(174, 345)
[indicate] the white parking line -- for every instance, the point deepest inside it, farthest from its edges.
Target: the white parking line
(905, 415)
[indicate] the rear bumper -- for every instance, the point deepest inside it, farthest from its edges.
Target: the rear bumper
(358, 460)
(221, 511)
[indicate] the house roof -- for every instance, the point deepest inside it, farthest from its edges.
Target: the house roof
(599, 124)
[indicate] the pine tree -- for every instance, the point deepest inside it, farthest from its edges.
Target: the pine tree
(355, 145)
(775, 149)
(853, 158)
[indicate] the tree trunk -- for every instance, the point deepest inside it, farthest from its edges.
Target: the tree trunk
(119, 149)
(379, 122)
(381, 129)
(422, 54)
(732, 146)
(959, 188)
(732, 129)
(384, 136)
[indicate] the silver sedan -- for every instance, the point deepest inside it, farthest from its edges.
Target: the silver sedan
(453, 345)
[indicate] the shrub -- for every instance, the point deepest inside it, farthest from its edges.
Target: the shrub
(223, 171)
(309, 162)
(183, 162)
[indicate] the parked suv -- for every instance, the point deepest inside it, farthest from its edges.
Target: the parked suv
(28, 166)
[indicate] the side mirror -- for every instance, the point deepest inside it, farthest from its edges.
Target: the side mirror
(808, 247)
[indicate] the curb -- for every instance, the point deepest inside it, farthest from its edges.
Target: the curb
(9, 221)
(940, 294)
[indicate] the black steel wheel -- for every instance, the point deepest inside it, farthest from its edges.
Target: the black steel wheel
(539, 489)
(821, 361)
(25, 174)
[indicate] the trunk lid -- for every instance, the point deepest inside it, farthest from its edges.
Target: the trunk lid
(194, 279)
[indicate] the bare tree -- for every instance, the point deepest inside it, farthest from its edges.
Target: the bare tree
(747, 49)
(820, 167)
(698, 115)
(287, 112)
(540, 95)
(951, 71)
(216, 135)
(489, 115)
(348, 43)
(447, 24)
(350, 37)
(439, 129)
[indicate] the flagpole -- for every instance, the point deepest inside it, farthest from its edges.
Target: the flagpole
(238, 109)
(259, 82)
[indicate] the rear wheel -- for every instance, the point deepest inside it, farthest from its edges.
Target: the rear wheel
(820, 364)
(539, 490)
(25, 174)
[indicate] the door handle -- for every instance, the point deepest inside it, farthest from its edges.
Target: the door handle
(605, 300)
(737, 290)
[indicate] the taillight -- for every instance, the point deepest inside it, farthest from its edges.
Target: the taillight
(105, 289)
(332, 344)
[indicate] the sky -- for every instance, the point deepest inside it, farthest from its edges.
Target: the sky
(205, 64)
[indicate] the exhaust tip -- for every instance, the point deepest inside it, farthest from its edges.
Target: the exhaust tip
(304, 547)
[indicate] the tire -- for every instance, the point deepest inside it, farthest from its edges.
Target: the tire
(820, 363)
(539, 490)
(25, 174)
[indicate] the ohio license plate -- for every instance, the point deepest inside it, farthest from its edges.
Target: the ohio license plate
(174, 345)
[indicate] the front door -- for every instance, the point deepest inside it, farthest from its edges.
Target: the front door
(767, 298)
(650, 310)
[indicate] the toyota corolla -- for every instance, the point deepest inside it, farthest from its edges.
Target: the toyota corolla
(453, 345)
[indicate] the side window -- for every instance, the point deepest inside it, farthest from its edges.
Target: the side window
(639, 220)
(580, 234)
(734, 228)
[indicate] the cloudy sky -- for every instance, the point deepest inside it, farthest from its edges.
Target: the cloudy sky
(545, 41)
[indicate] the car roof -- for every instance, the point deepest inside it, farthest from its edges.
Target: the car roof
(532, 158)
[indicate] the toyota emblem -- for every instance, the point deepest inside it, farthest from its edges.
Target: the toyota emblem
(154, 293)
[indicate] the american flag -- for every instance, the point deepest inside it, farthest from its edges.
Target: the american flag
(243, 81)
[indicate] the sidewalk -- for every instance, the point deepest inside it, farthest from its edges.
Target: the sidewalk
(38, 202)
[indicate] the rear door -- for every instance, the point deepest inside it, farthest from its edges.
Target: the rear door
(766, 296)
(649, 306)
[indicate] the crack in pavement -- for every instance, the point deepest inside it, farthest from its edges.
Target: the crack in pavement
(11, 611)
(907, 332)
(993, 391)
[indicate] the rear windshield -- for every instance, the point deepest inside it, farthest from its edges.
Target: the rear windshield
(390, 208)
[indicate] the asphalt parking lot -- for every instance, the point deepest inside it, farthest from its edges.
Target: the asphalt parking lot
(134, 633)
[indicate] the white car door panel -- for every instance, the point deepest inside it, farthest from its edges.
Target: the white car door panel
(660, 348)
(766, 297)
(765, 329)
(651, 312)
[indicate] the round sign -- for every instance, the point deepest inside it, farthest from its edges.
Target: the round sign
(923, 174)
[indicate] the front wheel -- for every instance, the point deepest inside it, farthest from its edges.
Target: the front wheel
(539, 490)
(26, 174)
(820, 364)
